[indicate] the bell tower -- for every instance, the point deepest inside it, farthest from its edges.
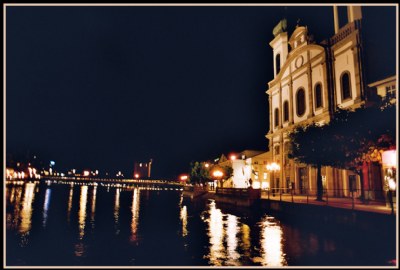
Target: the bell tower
(279, 45)
(353, 13)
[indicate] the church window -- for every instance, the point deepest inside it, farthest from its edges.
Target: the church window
(345, 85)
(300, 102)
(318, 95)
(276, 117)
(278, 63)
(285, 111)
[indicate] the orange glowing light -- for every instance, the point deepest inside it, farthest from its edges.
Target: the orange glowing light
(218, 173)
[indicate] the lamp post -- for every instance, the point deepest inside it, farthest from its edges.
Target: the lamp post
(273, 167)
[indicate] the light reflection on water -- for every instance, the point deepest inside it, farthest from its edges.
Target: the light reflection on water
(26, 212)
(135, 214)
(223, 232)
(93, 208)
(271, 243)
(46, 206)
(116, 210)
(82, 211)
(229, 240)
(71, 196)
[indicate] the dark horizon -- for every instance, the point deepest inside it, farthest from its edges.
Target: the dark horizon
(103, 87)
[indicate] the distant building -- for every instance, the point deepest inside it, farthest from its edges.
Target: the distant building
(248, 164)
(386, 88)
(142, 170)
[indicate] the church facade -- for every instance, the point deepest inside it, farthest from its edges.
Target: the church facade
(310, 81)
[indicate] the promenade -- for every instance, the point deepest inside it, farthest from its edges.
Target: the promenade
(336, 202)
(346, 203)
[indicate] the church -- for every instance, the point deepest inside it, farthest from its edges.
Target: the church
(310, 81)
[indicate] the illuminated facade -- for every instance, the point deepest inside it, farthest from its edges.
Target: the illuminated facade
(310, 81)
(248, 164)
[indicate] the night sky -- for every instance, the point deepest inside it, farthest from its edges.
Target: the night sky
(102, 87)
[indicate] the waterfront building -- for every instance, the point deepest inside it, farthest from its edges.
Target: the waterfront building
(385, 88)
(142, 170)
(249, 168)
(310, 81)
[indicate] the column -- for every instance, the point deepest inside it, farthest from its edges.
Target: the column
(336, 18)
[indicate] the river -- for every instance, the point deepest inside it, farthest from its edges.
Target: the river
(75, 224)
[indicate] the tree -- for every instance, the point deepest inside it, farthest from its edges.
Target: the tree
(199, 173)
(311, 145)
(359, 135)
(347, 141)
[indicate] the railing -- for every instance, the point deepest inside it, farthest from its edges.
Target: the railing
(245, 193)
(334, 197)
(344, 32)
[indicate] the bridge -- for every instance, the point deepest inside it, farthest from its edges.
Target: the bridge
(81, 179)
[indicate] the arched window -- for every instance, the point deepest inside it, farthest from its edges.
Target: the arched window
(318, 95)
(276, 117)
(285, 111)
(300, 102)
(345, 85)
(278, 63)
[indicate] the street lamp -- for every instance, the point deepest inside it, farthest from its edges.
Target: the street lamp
(218, 174)
(273, 167)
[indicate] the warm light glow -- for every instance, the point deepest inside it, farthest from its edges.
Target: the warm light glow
(26, 212)
(93, 210)
(265, 185)
(271, 243)
(82, 211)
(216, 234)
(184, 177)
(116, 211)
(136, 176)
(233, 157)
(183, 216)
(71, 194)
(389, 158)
(86, 173)
(206, 165)
(256, 185)
(217, 173)
(135, 214)
(232, 241)
(273, 166)
(392, 184)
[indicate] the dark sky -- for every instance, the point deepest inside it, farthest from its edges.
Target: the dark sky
(102, 87)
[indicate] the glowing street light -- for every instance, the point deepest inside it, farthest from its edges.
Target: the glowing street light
(273, 167)
(184, 177)
(218, 174)
(233, 157)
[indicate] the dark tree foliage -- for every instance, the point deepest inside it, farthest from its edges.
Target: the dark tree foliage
(346, 141)
(199, 174)
(311, 145)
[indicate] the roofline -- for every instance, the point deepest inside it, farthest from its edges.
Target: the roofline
(388, 79)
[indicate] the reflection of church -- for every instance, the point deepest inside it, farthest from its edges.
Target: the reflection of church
(310, 81)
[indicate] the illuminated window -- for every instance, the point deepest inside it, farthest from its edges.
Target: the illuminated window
(300, 102)
(345, 85)
(318, 95)
(285, 111)
(276, 117)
